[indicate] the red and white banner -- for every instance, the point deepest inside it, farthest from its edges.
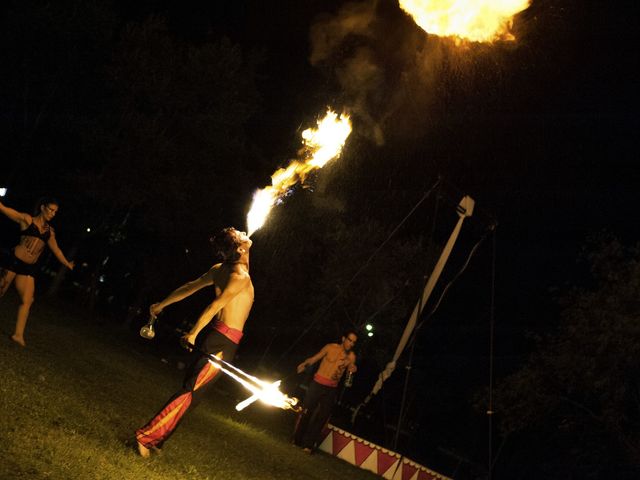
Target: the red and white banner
(369, 456)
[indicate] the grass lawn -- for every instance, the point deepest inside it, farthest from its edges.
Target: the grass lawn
(72, 399)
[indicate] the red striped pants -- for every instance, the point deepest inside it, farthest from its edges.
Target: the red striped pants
(200, 376)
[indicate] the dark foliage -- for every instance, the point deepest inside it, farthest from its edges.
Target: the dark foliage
(576, 401)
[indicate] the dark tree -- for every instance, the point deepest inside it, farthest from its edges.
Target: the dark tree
(576, 402)
(170, 159)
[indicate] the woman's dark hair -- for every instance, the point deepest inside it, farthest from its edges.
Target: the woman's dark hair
(225, 244)
(44, 201)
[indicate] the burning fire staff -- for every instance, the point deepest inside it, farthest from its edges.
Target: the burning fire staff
(19, 265)
(231, 307)
(335, 359)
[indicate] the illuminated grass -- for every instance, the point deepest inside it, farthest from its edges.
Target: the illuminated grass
(72, 399)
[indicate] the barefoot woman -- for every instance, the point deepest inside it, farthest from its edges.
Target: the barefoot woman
(20, 264)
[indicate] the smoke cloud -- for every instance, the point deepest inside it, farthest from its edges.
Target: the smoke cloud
(369, 49)
(391, 74)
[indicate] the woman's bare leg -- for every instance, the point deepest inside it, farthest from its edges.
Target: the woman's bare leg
(6, 277)
(25, 285)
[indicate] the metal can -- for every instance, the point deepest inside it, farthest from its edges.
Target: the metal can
(348, 380)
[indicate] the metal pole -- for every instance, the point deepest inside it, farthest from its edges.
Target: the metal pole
(404, 395)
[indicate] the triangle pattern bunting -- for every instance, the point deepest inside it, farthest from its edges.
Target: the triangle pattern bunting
(348, 453)
(339, 442)
(385, 461)
(408, 472)
(362, 452)
(371, 463)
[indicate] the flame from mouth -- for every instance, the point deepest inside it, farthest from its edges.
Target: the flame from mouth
(320, 145)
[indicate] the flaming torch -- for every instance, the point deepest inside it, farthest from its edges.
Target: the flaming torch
(320, 145)
(474, 20)
(267, 392)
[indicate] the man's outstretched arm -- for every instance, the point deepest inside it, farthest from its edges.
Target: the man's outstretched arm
(183, 292)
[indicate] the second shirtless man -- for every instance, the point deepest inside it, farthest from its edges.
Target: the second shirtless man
(336, 359)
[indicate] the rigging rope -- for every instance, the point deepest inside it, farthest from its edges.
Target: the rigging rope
(360, 270)
(457, 275)
(491, 335)
(432, 311)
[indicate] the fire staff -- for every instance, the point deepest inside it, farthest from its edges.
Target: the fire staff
(230, 308)
(335, 359)
(20, 265)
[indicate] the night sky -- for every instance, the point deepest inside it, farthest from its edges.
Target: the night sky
(541, 132)
(574, 91)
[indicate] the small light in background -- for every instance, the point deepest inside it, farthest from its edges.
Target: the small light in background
(88, 229)
(3, 191)
(369, 328)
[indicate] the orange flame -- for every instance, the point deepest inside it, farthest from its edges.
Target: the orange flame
(475, 20)
(267, 392)
(320, 145)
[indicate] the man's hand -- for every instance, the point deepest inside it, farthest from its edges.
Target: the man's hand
(301, 368)
(155, 310)
(188, 341)
(71, 265)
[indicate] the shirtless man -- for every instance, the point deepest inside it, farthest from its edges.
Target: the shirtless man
(21, 265)
(230, 308)
(321, 395)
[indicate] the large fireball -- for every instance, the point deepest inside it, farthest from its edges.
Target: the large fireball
(474, 20)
